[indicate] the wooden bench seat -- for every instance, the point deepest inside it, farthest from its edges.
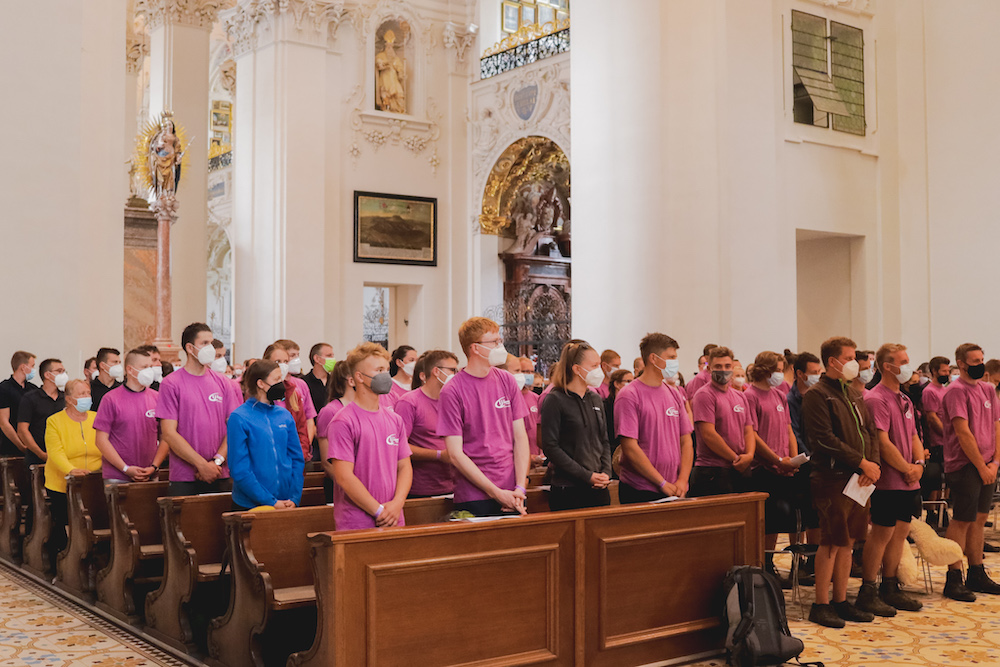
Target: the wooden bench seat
(16, 481)
(136, 547)
(36, 555)
(89, 536)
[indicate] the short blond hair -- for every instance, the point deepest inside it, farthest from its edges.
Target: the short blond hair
(73, 384)
(884, 352)
(473, 329)
(364, 351)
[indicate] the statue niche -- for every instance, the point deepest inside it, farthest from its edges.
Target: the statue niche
(391, 67)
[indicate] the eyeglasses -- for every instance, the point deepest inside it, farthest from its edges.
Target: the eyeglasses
(491, 343)
(446, 368)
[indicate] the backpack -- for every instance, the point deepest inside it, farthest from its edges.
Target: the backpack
(753, 614)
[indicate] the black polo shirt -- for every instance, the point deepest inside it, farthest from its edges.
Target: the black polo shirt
(317, 389)
(11, 394)
(36, 408)
(98, 390)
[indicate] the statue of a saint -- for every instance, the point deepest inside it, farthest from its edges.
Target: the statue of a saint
(390, 74)
(165, 154)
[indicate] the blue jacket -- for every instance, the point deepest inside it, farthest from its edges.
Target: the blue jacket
(265, 457)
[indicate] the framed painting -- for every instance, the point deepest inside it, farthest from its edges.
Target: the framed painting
(511, 17)
(395, 229)
(527, 15)
(546, 14)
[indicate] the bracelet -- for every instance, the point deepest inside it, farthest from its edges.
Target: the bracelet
(920, 462)
(439, 455)
(521, 489)
(378, 511)
(662, 484)
(125, 469)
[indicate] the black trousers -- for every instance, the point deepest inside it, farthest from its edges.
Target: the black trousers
(715, 481)
(60, 518)
(485, 507)
(198, 487)
(629, 495)
(577, 497)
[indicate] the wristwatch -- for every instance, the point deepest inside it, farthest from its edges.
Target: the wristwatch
(219, 460)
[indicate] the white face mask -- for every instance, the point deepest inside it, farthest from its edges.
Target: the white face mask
(739, 381)
(924, 380)
(594, 378)
(497, 356)
(294, 366)
(409, 368)
(529, 379)
(776, 379)
(284, 370)
(669, 369)
(904, 374)
(117, 372)
(955, 377)
(443, 377)
(811, 380)
(158, 373)
(94, 375)
(61, 381)
(613, 369)
(866, 375)
(519, 378)
(850, 369)
(146, 376)
(206, 355)
(219, 365)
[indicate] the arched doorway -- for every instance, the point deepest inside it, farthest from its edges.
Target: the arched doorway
(527, 203)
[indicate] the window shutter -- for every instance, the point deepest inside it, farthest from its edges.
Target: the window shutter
(848, 72)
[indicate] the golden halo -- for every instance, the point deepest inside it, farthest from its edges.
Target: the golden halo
(140, 159)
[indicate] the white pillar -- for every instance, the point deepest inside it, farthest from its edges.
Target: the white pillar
(280, 174)
(61, 177)
(179, 64)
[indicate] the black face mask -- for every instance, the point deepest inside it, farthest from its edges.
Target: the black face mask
(977, 372)
(276, 392)
(943, 379)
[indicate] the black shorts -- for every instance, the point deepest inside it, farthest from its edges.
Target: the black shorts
(716, 481)
(889, 506)
(969, 496)
(780, 506)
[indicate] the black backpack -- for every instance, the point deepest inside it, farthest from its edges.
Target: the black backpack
(753, 614)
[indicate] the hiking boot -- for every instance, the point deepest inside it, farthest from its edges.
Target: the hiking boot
(955, 589)
(824, 614)
(849, 612)
(868, 600)
(891, 594)
(980, 582)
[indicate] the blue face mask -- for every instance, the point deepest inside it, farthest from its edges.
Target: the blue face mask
(30, 375)
(84, 403)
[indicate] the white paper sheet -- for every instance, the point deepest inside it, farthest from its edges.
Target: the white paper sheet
(799, 460)
(856, 492)
(668, 499)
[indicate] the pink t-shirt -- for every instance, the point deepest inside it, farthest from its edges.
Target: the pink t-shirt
(932, 400)
(396, 392)
(655, 417)
(326, 416)
(237, 390)
(129, 419)
(893, 413)
(303, 389)
(482, 411)
(541, 397)
(771, 418)
(200, 404)
(420, 417)
(531, 420)
(977, 404)
(604, 390)
(696, 383)
(784, 388)
(374, 442)
(727, 409)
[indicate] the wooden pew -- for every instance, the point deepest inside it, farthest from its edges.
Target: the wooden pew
(36, 555)
(194, 540)
(89, 534)
(419, 511)
(16, 483)
(624, 585)
(136, 546)
(272, 575)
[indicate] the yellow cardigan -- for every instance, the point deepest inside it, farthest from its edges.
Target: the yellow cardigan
(70, 445)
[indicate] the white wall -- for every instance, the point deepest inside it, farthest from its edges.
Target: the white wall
(62, 230)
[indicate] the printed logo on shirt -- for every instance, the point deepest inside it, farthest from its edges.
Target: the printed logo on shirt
(780, 408)
(987, 405)
(282, 425)
(737, 408)
(908, 415)
(215, 398)
(534, 409)
(502, 403)
(392, 440)
(151, 414)
(673, 412)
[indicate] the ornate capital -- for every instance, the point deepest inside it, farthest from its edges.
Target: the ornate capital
(252, 23)
(136, 47)
(460, 39)
(197, 13)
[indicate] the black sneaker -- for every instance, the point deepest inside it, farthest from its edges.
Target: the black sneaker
(891, 594)
(868, 600)
(849, 612)
(980, 582)
(990, 548)
(824, 614)
(955, 589)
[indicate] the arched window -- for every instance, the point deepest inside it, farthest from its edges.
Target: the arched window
(517, 14)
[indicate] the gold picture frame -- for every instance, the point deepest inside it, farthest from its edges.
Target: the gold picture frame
(546, 14)
(528, 15)
(511, 17)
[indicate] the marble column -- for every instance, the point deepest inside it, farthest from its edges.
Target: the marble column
(179, 32)
(283, 109)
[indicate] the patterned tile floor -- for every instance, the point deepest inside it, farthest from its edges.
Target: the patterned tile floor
(40, 628)
(944, 632)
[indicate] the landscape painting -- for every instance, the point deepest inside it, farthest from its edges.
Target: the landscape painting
(395, 229)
